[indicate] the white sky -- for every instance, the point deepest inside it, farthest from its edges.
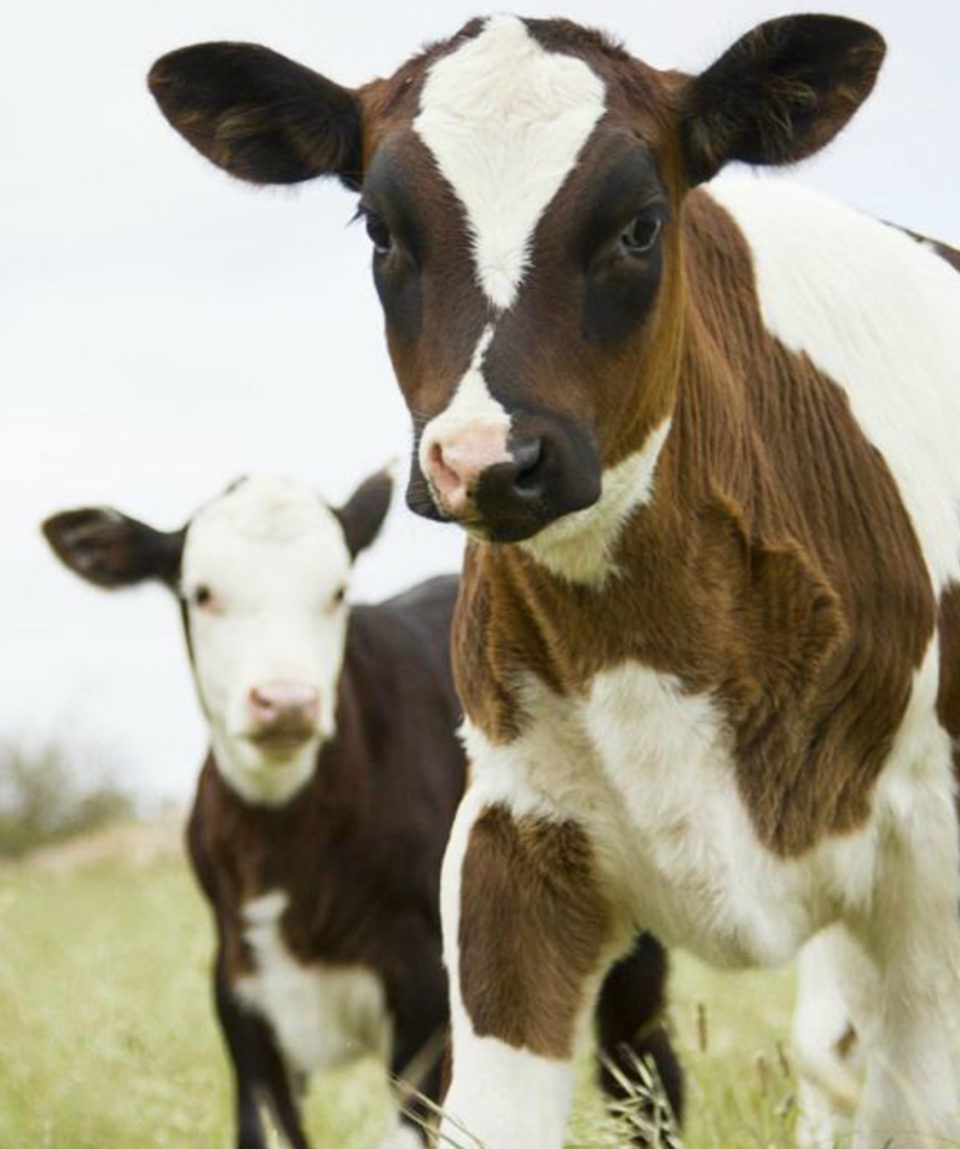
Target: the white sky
(164, 328)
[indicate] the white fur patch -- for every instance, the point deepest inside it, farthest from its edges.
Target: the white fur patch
(829, 1062)
(400, 1137)
(471, 408)
(505, 121)
(273, 557)
(322, 1017)
(579, 547)
(880, 314)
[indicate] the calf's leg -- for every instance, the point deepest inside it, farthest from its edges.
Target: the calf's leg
(631, 1034)
(527, 939)
(418, 1003)
(827, 1051)
(259, 1071)
(907, 958)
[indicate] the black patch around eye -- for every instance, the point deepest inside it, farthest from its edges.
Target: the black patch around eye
(399, 245)
(400, 296)
(618, 244)
(387, 206)
(629, 189)
(619, 295)
(379, 234)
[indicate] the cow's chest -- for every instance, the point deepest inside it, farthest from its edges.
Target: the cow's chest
(322, 1016)
(698, 872)
(646, 769)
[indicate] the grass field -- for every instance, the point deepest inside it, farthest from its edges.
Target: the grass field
(107, 1039)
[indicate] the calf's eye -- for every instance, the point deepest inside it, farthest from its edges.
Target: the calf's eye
(202, 596)
(640, 235)
(379, 234)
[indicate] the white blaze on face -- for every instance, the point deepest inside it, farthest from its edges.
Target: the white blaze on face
(273, 560)
(505, 121)
(473, 423)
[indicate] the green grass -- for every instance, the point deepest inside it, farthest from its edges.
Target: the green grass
(108, 1041)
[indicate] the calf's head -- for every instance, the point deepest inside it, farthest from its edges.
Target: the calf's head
(261, 573)
(522, 184)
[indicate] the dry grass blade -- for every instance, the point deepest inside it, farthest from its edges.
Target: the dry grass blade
(436, 1115)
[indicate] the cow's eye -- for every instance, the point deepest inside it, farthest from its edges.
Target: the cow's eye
(640, 235)
(379, 234)
(340, 595)
(202, 596)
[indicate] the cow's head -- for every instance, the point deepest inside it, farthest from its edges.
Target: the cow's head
(261, 573)
(522, 186)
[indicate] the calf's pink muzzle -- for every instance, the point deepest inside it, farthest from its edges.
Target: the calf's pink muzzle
(283, 712)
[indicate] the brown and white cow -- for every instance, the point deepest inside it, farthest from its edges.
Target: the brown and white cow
(705, 441)
(327, 797)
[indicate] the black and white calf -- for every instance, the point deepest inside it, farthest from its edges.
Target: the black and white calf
(325, 802)
(327, 798)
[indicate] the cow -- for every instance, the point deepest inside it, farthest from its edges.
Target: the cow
(702, 435)
(326, 798)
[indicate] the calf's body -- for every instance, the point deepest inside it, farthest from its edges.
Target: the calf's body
(326, 907)
(749, 718)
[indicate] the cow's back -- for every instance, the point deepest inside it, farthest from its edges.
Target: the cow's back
(879, 315)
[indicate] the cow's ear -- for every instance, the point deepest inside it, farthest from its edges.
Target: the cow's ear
(362, 515)
(779, 94)
(258, 115)
(111, 550)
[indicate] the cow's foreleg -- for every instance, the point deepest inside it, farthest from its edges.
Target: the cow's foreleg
(828, 1051)
(527, 940)
(910, 938)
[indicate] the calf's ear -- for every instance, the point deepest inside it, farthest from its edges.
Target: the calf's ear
(111, 550)
(362, 515)
(258, 115)
(779, 94)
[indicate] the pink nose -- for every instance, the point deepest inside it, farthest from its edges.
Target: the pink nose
(283, 707)
(455, 463)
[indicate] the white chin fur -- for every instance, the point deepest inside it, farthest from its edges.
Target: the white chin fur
(265, 780)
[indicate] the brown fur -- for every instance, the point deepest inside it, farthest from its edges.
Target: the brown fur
(531, 906)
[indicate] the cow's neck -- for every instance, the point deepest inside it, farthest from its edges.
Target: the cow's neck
(651, 573)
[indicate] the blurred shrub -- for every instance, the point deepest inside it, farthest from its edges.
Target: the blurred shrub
(43, 799)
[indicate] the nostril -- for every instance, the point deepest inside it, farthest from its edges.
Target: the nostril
(261, 701)
(528, 471)
(436, 455)
(445, 475)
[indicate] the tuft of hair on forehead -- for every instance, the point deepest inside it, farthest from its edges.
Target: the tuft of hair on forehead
(554, 35)
(560, 35)
(266, 508)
